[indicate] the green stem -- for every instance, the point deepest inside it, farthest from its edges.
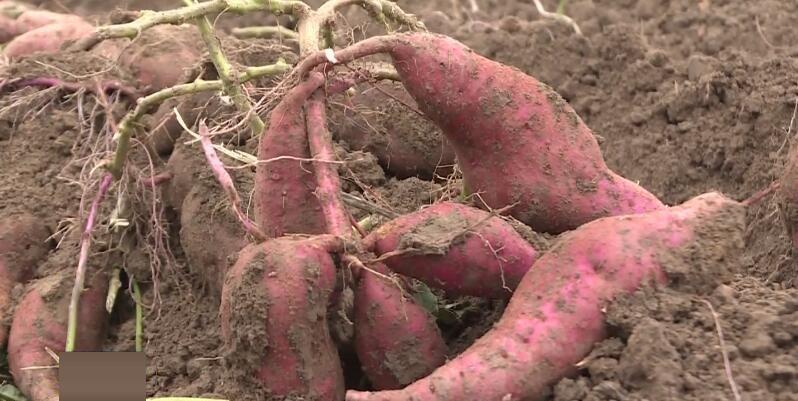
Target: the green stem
(139, 316)
(148, 18)
(267, 32)
(561, 7)
(129, 123)
(228, 76)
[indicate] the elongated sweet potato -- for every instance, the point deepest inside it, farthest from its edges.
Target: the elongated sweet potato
(396, 339)
(22, 245)
(457, 248)
(274, 320)
(555, 316)
(40, 322)
(284, 189)
(517, 141)
(48, 38)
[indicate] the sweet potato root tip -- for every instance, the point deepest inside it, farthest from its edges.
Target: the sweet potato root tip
(555, 316)
(397, 340)
(457, 248)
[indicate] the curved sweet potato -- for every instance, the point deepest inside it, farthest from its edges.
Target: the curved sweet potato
(396, 340)
(284, 197)
(405, 143)
(517, 141)
(48, 38)
(40, 322)
(23, 243)
(274, 320)
(457, 248)
(555, 316)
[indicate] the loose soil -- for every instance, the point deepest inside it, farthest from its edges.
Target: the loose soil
(686, 96)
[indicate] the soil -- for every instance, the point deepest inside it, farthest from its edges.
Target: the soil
(686, 97)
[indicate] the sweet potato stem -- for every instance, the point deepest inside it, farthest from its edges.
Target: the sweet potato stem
(139, 315)
(254, 32)
(80, 274)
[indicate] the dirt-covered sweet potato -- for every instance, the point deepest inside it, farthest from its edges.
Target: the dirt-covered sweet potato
(457, 248)
(396, 339)
(555, 316)
(23, 243)
(517, 141)
(40, 322)
(274, 320)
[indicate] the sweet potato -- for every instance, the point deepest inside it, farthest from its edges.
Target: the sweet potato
(40, 322)
(384, 123)
(787, 197)
(48, 38)
(284, 197)
(274, 320)
(159, 57)
(555, 316)
(23, 243)
(397, 340)
(517, 141)
(457, 248)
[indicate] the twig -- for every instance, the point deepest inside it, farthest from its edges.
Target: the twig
(227, 184)
(762, 34)
(254, 32)
(80, 274)
(726, 363)
(139, 315)
(558, 17)
(367, 206)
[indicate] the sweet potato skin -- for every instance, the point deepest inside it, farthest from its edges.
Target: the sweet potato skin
(555, 316)
(284, 197)
(396, 340)
(41, 321)
(488, 259)
(274, 318)
(23, 243)
(48, 38)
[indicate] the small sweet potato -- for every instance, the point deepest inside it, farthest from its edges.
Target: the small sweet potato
(457, 248)
(274, 320)
(396, 339)
(40, 322)
(23, 243)
(555, 316)
(517, 141)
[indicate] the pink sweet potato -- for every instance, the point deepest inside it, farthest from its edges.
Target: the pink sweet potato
(48, 38)
(555, 316)
(787, 197)
(517, 141)
(457, 248)
(40, 322)
(284, 197)
(159, 58)
(397, 340)
(23, 243)
(274, 320)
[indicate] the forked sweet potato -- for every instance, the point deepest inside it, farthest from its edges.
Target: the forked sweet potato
(40, 322)
(555, 316)
(517, 141)
(457, 248)
(23, 243)
(274, 320)
(396, 339)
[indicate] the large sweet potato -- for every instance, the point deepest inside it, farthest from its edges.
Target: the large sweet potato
(517, 141)
(274, 320)
(555, 316)
(48, 38)
(396, 339)
(23, 243)
(40, 322)
(457, 248)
